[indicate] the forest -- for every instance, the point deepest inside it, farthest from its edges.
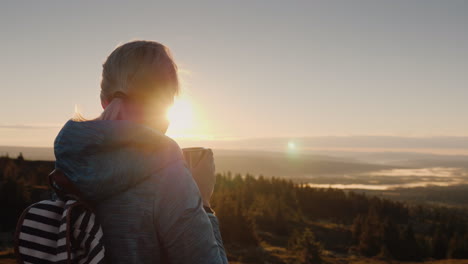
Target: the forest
(273, 220)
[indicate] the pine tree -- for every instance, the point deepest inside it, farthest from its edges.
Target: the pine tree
(356, 228)
(306, 247)
(20, 157)
(410, 250)
(439, 245)
(390, 239)
(458, 247)
(370, 240)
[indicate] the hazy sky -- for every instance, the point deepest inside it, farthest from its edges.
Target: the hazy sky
(250, 68)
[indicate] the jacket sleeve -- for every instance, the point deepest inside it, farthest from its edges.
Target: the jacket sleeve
(187, 233)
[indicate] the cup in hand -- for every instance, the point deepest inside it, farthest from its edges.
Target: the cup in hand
(201, 164)
(194, 155)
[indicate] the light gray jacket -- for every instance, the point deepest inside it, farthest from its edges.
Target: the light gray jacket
(148, 204)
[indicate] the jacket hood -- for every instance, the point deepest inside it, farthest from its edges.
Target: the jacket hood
(106, 157)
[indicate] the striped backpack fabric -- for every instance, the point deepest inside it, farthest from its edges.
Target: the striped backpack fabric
(63, 230)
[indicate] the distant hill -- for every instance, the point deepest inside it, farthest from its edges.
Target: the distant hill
(407, 159)
(289, 165)
(254, 162)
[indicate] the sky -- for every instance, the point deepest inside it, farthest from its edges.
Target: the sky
(250, 69)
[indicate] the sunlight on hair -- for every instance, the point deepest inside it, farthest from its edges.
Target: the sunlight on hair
(77, 116)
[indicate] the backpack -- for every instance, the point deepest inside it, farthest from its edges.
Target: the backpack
(61, 230)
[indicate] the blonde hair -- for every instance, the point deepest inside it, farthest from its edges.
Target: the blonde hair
(138, 71)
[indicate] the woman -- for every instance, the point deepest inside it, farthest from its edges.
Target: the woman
(151, 207)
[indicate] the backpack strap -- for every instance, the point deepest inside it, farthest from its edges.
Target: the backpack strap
(64, 188)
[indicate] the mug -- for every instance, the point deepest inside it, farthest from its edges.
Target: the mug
(193, 155)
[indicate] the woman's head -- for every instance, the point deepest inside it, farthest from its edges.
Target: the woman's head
(139, 82)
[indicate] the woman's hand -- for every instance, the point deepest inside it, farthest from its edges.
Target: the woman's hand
(204, 175)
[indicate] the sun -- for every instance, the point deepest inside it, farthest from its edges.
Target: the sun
(180, 116)
(292, 148)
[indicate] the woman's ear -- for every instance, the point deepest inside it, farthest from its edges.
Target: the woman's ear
(104, 104)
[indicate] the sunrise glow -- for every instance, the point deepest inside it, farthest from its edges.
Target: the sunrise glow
(181, 116)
